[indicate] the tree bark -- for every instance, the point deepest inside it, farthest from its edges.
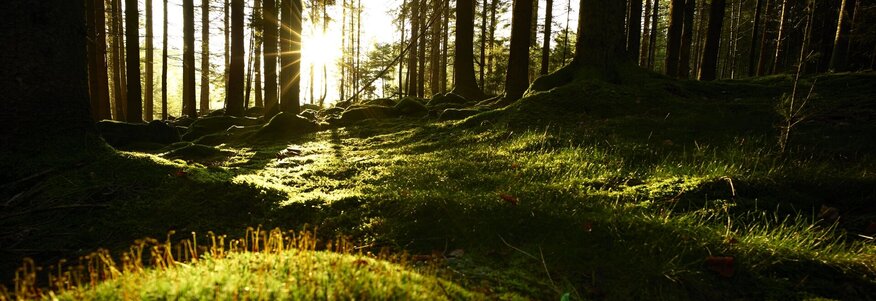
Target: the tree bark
(234, 98)
(780, 37)
(97, 69)
(752, 48)
(132, 34)
(463, 62)
(412, 55)
(646, 36)
(762, 57)
(150, 61)
(270, 52)
(546, 45)
(673, 37)
(840, 55)
(118, 101)
(421, 51)
(686, 40)
(483, 47)
(290, 57)
(123, 78)
(709, 65)
(164, 65)
(257, 23)
(444, 45)
(517, 76)
(634, 32)
(435, 50)
(205, 57)
(44, 80)
(653, 43)
(188, 97)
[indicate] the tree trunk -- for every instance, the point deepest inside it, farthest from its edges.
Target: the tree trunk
(421, 54)
(234, 99)
(188, 97)
(150, 87)
(257, 23)
(164, 65)
(646, 36)
(839, 56)
(517, 76)
(709, 65)
(780, 37)
(673, 37)
(118, 102)
(488, 87)
(435, 50)
(483, 47)
(686, 39)
(546, 45)
(205, 56)
(44, 82)
(444, 45)
(96, 49)
(290, 57)
(463, 62)
(412, 55)
(653, 43)
(270, 53)
(634, 31)
(401, 51)
(120, 34)
(752, 48)
(761, 61)
(227, 53)
(132, 34)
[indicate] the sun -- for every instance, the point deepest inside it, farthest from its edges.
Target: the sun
(319, 50)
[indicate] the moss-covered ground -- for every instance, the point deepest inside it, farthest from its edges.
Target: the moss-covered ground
(653, 190)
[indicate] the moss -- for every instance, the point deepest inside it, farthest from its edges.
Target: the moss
(283, 126)
(356, 114)
(198, 153)
(456, 114)
(411, 107)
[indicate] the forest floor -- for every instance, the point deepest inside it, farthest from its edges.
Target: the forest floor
(654, 190)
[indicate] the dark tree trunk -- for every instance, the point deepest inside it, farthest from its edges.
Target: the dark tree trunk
(164, 65)
(463, 62)
(414, 50)
(762, 57)
(686, 40)
(402, 45)
(653, 43)
(421, 52)
(123, 79)
(444, 45)
(546, 45)
(132, 34)
(517, 77)
(634, 30)
(188, 100)
(234, 99)
(673, 37)
(44, 80)
(97, 68)
(435, 49)
(118, 102)
(257, 23)
(646, 36)
(482, 70)
(780, 38)
(752, 48)
(149, 103)
(205, 57)
(709, 65)
(840, 55)
(270, 53)
(290, 59)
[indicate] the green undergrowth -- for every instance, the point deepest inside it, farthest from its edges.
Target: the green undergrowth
(595, 190)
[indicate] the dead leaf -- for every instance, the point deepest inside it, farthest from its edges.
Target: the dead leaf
(723, 265)
(509, 198)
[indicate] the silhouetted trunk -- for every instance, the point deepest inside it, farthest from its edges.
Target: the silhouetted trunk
(444, 45)
(483, 47)
(517, 77)
(435, 49)
(646, 36)
(752, 47)
(762, 57)
(709, 65)
(489, 87)
(839, 56)
(118, 101)
(270, 52)
(463, 62)
(402, 88)
(653, 43)
(123, 78)
(44, 81)
(412, 55)
(686, 40)
(189, 107)
(205, 56)
(257, 23)
(546, 45)
(234, 99)
(132, 34)
(164, 65)
(97, 69)
(290, 57)
(780, 37)
(421, 52)
(150, 87)
(673, 37)
(227, 53)
(634, 31)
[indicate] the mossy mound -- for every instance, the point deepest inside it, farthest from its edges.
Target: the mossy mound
(411, 107)
(456, 114)
(310, 114)
(285, 125)
(214, 113)
(123, 134)
(381, 102)
(359, 113)
(198, 153)
(210, 125)
(439, 99)
(290, 275)
(254, 112)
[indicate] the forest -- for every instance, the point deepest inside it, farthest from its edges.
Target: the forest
(438, 150)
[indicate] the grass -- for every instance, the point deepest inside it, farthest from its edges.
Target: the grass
(594, 190)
